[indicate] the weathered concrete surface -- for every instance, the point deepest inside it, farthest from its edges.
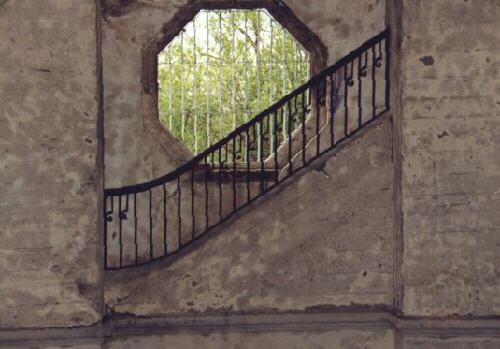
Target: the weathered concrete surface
(342, 27)
(342, 339)
(453, 343)
(49, 240)
(450, 114)
(324, 241)
(133, 153)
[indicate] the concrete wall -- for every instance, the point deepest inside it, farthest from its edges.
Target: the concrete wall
(323, 242)
(134, 154)
(449, 110)
(49, 179)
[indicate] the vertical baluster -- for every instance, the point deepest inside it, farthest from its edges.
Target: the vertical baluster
(150, 224)
(319, 91)
(221, 113)
(387, 72)
(363, 75)
(247, 136)
(283, 62)
(234, 173)
(360, 86)
(183, 114)
(333, 89)
(259, 34)
(271, 61)
(256, 141)
(164, 220)
(295, 61)
(179, 218)
(233, 70)
(261, 155)
(220, 183)
(275, 147)
(303, 121)
(170, 89)
(206, 191)
(120, 238)
(193, 213)
(284, 121)
(346, 109)
(247, 108)
(289, 132)
(106, 220)
(259, 140)
(125, 211)
(347, 83)
(272, 141)
(259, 72)
(195, 92)
(239, 155)
(135, 230)
(271, 78)
(111, 213)
(208, 78)
(374, 83)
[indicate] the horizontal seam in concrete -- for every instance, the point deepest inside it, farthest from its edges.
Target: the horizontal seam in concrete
(123, 326)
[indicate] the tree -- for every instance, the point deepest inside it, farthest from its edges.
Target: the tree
(223, 69)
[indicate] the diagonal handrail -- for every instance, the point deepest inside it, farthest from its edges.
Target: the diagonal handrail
(171, 176)
(168, 213)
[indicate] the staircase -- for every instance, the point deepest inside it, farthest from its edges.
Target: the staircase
(156, 219)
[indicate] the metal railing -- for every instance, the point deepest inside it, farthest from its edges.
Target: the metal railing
(151, 220)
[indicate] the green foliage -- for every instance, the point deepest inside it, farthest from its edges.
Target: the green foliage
(223, 70)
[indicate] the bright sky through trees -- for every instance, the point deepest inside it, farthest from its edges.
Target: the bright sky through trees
(223, 69)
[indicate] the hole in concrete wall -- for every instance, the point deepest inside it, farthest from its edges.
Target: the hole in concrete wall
(179, 123)
(223, 68)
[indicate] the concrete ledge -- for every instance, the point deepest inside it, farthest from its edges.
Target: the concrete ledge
(123, 326)
(284, 322)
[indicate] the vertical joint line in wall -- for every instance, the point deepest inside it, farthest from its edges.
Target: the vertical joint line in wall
(100, 147)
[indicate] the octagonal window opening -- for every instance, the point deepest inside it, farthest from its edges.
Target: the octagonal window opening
(223, 68)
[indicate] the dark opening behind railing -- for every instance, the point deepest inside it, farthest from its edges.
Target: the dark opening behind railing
(148, 221)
